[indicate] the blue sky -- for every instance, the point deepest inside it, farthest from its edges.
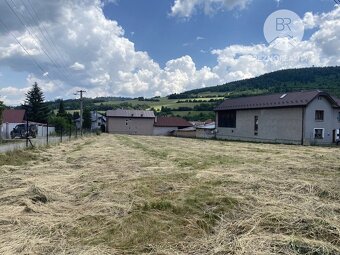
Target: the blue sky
(152, 47)
(164, 37)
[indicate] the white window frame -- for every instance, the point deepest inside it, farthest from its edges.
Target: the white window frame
(323, 133)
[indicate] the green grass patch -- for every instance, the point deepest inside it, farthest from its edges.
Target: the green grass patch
(17, 158)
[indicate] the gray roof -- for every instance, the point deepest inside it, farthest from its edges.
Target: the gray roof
(290, 99)
(130, 113)
(336, 100)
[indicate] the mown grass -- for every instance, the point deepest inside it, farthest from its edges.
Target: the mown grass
(163, 195)
(17, 158)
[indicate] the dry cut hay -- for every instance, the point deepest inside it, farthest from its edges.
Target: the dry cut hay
(159, 195)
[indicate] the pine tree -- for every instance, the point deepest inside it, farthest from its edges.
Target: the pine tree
(37, 110)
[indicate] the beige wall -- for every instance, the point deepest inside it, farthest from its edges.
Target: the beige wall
(131, 126)
(185, 134)
(275, 125)
(329, 123)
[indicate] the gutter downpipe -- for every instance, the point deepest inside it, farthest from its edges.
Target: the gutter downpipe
(303, 125)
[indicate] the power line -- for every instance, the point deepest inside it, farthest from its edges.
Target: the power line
(23, 47)
(45, 34)
(34, 37)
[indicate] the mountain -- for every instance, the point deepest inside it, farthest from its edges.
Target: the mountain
(323, 78)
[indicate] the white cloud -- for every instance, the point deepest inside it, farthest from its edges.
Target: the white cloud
(107, 63)
(77, 66)
(186, 8)
(310, 21)
(322, 49)
(12, 95)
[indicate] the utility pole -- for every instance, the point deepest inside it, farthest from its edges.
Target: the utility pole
(80, 92)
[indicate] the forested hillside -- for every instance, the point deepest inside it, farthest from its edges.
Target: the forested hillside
(324, 78)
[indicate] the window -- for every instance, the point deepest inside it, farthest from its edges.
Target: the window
(227, 119)
(256, 125)
(318, 133)
(319, 115)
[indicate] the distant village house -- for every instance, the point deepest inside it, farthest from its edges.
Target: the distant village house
(98, 121)
(131, 122)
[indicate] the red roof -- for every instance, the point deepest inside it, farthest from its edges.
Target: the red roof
(171, 122)
(13, 116)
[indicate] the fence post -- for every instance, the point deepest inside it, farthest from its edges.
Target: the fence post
(70, 133)
(47, 134)
(27, 134)
(61, 134)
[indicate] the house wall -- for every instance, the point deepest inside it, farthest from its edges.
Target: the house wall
(185, 134)
(205, 133)
(282, 125)
(163, 130)
(329, 124)
(131, 126)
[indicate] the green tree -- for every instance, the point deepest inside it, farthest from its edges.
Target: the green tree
(61, 110)
(37, 110)
(87, 122)
(60, 123)
(76, 115)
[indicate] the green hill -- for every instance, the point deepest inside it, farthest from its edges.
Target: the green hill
(323, 78)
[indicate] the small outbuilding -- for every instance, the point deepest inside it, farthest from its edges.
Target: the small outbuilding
(206, 131)
(167, 125)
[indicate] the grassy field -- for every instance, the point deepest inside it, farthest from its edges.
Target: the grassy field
(163, 101)
(159, 195)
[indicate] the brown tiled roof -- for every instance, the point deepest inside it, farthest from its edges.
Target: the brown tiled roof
(291, 99)
(13, 116)
(172, 122)
(130, 113)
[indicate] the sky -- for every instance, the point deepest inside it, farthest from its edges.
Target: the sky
(151, 48)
